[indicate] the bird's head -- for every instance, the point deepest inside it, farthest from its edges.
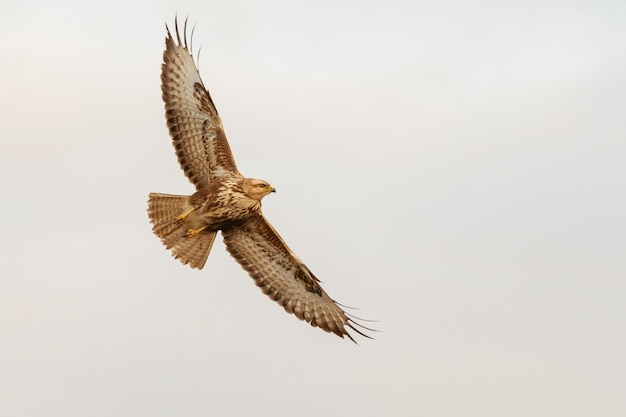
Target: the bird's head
(257, 189)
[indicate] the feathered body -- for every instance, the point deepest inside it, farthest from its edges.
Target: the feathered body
(226, 201)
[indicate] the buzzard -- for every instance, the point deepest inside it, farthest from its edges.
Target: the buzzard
(226, 201)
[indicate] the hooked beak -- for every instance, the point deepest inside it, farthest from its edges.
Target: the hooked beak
(273, 190)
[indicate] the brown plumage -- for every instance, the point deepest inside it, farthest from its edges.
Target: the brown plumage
(226, 201)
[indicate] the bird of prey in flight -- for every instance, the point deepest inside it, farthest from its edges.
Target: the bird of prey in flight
(227, 201)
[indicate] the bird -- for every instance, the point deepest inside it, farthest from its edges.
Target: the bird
(225, 201)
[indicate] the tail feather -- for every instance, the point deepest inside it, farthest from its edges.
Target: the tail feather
(164, 210)
(194, 250)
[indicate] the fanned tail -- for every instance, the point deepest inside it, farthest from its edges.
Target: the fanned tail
(165, 211)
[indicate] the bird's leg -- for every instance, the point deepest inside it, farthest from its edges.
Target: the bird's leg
(193, 232)
(181, 217)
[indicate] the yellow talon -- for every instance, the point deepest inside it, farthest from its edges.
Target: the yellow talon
(183, 216)
(193, 232)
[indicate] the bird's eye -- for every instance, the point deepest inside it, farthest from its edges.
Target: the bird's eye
(262, 185)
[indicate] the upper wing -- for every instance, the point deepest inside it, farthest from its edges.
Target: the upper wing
(195, 127)
(284, 277)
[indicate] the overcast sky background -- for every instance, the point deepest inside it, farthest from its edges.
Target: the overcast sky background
(457, 170)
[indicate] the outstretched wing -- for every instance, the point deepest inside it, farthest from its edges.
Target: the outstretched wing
(195, 127)
(284, 277)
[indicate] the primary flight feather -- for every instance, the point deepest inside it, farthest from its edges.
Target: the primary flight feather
(226, 201)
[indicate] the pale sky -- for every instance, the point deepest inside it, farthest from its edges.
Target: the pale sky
(456, 170)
